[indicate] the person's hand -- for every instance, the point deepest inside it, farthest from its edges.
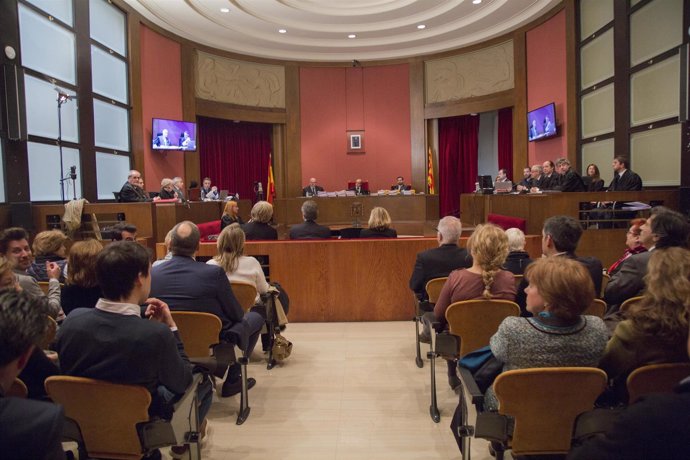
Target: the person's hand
(534, 189)
(157, 310)
(53, 270)
(156, 198)
(214, 189)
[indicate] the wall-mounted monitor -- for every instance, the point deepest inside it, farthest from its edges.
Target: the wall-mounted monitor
(173, 135)
(541, 122)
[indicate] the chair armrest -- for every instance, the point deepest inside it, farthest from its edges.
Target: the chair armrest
(423, 306)
(446, 344)
(472, 392)
(595, 422)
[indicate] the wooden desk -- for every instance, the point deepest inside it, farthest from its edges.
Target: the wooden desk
(344, 280)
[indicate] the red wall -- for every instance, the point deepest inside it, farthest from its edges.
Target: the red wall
(331, 103)
(546, 82)
(161, 97)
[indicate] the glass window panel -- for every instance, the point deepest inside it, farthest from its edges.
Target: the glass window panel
(44, 172)
(108, 25)
(111, 174)
(598, 112)
(41, 111)
(655, 28)
(634, 2)
(61, 9)
(46, 47)
(109, 75)
(2, 171)
(655, 155)
(111, 125)
(596, 60)
(655, 92)
(600, 153)
(594, 14)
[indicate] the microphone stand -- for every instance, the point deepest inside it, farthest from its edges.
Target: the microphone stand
(61, 99)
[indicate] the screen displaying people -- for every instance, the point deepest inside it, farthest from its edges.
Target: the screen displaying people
(173, 135)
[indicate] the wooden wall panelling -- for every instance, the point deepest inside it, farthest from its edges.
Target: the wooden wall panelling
(471, 105)
(417, 127)
(572, 71)
(520, 159)
(291, 164)
(136, 113)
(192, 164)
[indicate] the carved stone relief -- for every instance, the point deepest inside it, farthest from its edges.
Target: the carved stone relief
(486, 71)
(239, 82)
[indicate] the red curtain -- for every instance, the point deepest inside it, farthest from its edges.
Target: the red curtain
(505, 142)
(234, 155)
(458, 143)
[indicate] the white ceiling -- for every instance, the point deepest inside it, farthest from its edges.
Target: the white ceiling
(317, 30)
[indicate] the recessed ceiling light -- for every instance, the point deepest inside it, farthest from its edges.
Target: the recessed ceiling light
(476, 2)
(421, 26)
(225, 10)
(282, 31)
(352, 36)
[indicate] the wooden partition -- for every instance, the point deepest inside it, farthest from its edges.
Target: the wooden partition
(344, 280)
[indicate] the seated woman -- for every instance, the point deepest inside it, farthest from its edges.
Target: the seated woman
(632, 241)
(656, 328)
(49, 246)
(560, 289)
(485, 279)
(379, 225)
(81, 289)
(230, 215)
(518, 259)
(167, 189)
(595, 183)
(258, 227)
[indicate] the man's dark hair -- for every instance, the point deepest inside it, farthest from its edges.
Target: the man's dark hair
(118, 266)
(23, 323)
(12, 234)
(310, 210)
(565, 232)
(117, 229)
(550, 163)
(622, 160)
(181, 245)
(671, 227)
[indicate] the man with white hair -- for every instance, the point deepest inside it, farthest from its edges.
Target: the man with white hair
(178, 187)
(130, 191)
(518, 259)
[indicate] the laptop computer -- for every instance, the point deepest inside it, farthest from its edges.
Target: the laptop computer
(223, 195)
(503, 187)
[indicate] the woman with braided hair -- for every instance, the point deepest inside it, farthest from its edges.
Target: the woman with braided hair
(485, 279)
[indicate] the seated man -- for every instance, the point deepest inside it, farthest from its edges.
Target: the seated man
(14, 246)
(550, 178)
(178, 187)
(570, 181)
(312, 189)
(400, 185)
(185, 284)
(123, 232)
(258, 227)
(30, 429)
(208, 192)
(358, 188)
(534, 181)
(439, 262)
(130, 191)
(309, 229)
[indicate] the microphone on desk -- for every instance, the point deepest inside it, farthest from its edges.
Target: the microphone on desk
(260, 188)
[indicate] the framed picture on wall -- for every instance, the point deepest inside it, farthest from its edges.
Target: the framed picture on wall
(355, 142)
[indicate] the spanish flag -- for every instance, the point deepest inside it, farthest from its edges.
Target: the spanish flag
(430, 173)
(270, 183)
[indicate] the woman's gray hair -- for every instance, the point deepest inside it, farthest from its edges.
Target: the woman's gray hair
(516, 239)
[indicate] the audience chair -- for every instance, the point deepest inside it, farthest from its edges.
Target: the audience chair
(596, 308)
(518, 280)
(471, 324)
(49, 336)
(625, 306)
(199, 333)
(110, 420)
(655, 378)
(117, 196)
(537, 409)
(44, 286)
(604, 282)
(433, 289)
(18, 389)
(245, 293)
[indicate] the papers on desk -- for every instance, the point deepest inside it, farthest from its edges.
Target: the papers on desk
(635, 206)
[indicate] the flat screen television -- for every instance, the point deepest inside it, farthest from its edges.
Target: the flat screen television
(541, 123)
(173, 135)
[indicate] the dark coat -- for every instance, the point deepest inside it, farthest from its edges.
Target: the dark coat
(131, 194)
(628, 182)
(309, 230)
(308, 190)
(571, 182)
(259, 231)
(516, 262)
(31, 430)
(436, 263)
(375, 233)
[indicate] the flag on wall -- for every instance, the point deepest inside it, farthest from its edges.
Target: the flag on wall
(430, 173)
(270, 183)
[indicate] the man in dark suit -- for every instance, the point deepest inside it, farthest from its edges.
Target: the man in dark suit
(534, 182)
(570, 181)
(400, 184)
(560, 236)
(187, 285)
(440, 261)
(663, 229)
(359, 189)
(131, 192)
(550, 179)
(312, 189)
(162, 140)
(178, 187)
(258, 227)
(309, 229)
(28, 429)
(623, 178)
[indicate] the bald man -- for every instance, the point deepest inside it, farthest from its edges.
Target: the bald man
(312, 189)
(131, 192)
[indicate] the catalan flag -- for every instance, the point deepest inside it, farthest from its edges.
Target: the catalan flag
(430, 173)
(270, 183)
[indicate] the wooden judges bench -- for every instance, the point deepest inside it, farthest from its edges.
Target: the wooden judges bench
(344, 280)
(606, 244)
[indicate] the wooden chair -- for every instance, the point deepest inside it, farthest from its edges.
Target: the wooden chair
(655, 378)
(433, 289)
(245, 293)
(596, 308)
(604, 282)
(49, 336)
(44, 286)
(518, 280)
(18, 389)
(472, 323)
(625, 306)
(112, 420)
(200, 334)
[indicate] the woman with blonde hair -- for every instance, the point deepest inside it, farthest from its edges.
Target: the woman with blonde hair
(656, 328)
(379, 225)
(8, 280)
(231, 215)
(259, 227)
(81, 289)
(48, 246)
(167, 189)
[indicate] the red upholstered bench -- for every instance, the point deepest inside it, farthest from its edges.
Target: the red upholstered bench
(506, 222)
(207, 229)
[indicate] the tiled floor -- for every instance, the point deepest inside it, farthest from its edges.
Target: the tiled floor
(349, 391)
